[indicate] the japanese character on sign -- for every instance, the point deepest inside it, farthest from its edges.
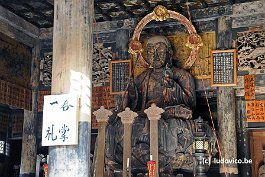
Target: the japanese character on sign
(50, 134)
(66, 106)
(60, 123)
(63, 131)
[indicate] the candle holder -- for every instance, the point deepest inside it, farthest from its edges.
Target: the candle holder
(151, 168)
(45, 169)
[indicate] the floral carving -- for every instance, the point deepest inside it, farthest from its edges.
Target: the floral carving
(127, 116)
(102, 114)
(154, 112)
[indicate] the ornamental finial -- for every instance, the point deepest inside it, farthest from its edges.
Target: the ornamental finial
(160, 13)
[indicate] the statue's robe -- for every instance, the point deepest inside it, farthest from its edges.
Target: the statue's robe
(181, 91)
(175, 128)
(262, 171)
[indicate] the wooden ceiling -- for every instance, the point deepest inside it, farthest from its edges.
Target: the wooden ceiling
(40, 12)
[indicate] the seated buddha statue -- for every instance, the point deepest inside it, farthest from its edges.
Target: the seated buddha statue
(170, 88)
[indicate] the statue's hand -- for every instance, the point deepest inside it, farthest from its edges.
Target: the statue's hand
(168, 82)
(169, 112)
(178, 111)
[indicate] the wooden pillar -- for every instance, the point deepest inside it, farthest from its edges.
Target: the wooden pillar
(72, 73)
(243, 138)
(29, 135)
(226, 107)
(154, 114)
(127, 118)
(102, 116)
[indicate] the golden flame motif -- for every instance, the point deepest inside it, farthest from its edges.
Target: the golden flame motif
(160, 13)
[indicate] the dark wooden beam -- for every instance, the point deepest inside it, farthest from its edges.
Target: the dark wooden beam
(51, 1)
(17, 28)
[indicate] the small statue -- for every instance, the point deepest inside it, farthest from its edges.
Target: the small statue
(170, 88)
(262, 167)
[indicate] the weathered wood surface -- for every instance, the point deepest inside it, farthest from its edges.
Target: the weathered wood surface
(99, 165)
(211, 13)
(154, 114)
(14, 33)
(154, 144)
(227, 128)
(243, 138)
(30, 125)
(259, 84)
(102, 116)
(249, 21)
(226, 106)
(127, 149)
(248, 14)
(29, 149)
(19, 23)
(72, 73)
(127, 119)
(17, 28)
(255, 7)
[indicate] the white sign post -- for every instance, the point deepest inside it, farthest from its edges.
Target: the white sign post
(60, 124)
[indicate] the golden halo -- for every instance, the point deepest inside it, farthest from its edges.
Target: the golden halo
(160, 13)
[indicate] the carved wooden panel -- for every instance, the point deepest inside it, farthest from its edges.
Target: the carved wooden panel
(46, 70)
(251, 50)
(100, 68)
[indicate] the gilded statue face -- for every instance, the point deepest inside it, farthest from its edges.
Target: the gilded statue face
(157, 54)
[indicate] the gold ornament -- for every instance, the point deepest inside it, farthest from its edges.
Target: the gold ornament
(135, 47)
(194, 41)
(160, 13)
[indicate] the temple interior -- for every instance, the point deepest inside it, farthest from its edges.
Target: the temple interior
(132, 88)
